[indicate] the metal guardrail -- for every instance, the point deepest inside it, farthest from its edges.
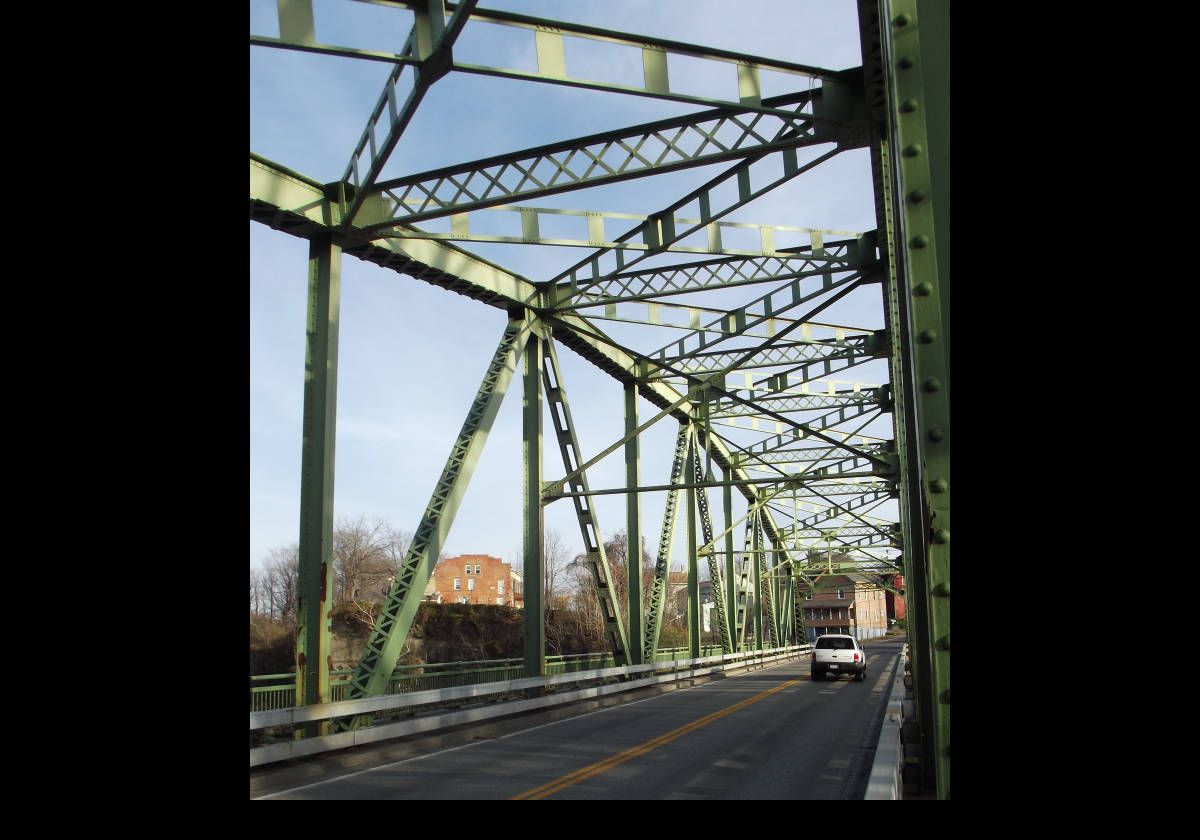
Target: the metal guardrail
(278, 691)
(642, 676)
(886, 780)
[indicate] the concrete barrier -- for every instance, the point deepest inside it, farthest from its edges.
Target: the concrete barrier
(886, 773)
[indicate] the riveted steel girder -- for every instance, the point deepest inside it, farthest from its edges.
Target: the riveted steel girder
(534, 565)
(913, 159)
(796, 402)
(720, 273)
(659, 589)
(314, 589)
(589, 526)
(714, 568)
(638, 151)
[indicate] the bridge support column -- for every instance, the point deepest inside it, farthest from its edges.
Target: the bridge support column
(757, 546)
(633, 532)
(693, 569)
(534, 569)
(315, 585)
(914, 41)
(731, 582)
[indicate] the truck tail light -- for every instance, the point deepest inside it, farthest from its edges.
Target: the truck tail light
(856, 657)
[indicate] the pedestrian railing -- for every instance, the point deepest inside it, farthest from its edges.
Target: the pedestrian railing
(428, 710)
(278, 691)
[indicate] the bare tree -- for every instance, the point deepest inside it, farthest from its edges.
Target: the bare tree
(556, 559)
(281, 578)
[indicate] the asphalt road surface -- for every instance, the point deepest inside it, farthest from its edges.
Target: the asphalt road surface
(768, 734)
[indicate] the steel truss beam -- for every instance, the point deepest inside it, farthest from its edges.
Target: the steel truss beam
(659, 589)
(549, 47)
(525, 226)
(589, 526)
(660, 231)
(608, 157)
(714, 567)
(430, 42)
(391, 628)
(797, 402)
(720, 273)
(851, 354)
(909, 50)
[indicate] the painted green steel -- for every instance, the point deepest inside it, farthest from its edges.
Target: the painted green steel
(633, 531)
(897, 105)
(731, 593)
(609, 157)
(660, 588)
(315, 577)
(693, 566)
(767, 589)
(589, 526)
(915, 148)
(660, 231)
(757, 546)
(391, 627)
(702, 275)
(534, 567)
(714, 565)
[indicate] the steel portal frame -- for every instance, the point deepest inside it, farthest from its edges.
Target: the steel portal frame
(896, 105)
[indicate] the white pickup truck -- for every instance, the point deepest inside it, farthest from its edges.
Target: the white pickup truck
(837, 654)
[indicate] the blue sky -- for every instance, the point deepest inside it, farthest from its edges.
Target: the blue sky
(412, 355)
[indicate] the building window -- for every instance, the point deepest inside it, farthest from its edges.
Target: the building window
(807, 596)
(470, 584)
(468, 567)
(463, 600)
(458, 583)
(476, 568)
(841, 594)
(500, 601)
(499, 587)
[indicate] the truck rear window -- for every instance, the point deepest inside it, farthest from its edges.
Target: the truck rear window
(828, 642)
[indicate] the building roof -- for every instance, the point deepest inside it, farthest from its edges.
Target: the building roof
(834, 602)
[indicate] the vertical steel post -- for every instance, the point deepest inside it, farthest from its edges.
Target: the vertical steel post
(757, 546)
(633, 533)
(315, 584)
(693, 567)
(534, 569)
(914, 37)
(731, 586)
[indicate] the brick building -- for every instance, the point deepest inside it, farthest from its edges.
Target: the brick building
(475, 579)
(895, 603)
(852, 604)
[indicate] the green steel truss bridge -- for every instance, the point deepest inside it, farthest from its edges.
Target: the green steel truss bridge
(724, 334)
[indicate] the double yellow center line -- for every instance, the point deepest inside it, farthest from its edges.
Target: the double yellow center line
(584, 773)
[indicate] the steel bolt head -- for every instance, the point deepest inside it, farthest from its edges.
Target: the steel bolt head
(912, 150)
(917, 196)
(908, 106)
(919, 241)
(941, 536)
(923, 289)
(943, 643)
(902, 19)
(938, 485)
(942, 590)
(936, 434)
(932, 385)
(927, 336)
(905, 62)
